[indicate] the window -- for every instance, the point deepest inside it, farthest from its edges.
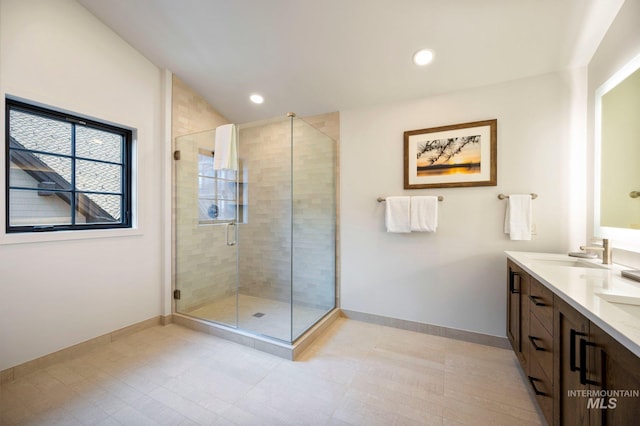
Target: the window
(216, 191)
(65, 172)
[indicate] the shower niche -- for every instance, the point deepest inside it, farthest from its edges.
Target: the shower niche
(255, 248)
(222, 194)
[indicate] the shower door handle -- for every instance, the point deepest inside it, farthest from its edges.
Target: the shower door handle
(231, 242)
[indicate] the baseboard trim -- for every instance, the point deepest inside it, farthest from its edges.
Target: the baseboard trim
(166, 319)
(436, 330)
(21, 370)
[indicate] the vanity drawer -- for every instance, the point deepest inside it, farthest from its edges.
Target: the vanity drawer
(541, 347)
(541, 303)
(543, 389)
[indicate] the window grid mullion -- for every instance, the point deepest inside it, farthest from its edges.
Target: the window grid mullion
(70, 156)
(73, 175)
(123, 179)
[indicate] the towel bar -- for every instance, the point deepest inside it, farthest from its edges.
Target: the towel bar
(502, 196)
(381, 199)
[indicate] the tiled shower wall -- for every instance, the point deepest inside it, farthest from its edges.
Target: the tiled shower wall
(329, 124)
(190, 113)
(314, 217)
(200, 272)
(291, 198)
(265, 240)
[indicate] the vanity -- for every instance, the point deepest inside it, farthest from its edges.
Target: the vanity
(574, 325)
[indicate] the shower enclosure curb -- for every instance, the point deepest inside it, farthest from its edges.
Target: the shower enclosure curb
(264, 344)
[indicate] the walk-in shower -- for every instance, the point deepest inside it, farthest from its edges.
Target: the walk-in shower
(255, 249)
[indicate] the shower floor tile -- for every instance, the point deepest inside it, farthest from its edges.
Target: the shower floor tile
(275, 320)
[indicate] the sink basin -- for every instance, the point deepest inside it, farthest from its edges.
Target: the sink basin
(569, 263)
(620, 298)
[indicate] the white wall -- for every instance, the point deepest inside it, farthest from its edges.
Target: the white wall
(457, 277)
(619, 46)
(61, 292)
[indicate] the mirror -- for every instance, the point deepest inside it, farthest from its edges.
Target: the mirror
(617, 150)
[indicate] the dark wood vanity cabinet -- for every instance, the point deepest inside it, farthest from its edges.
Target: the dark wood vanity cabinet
(569, 327)
(529, 326)
(517, 303)
(567, 359)
(541, 345)
(596, 376)
(616, 369)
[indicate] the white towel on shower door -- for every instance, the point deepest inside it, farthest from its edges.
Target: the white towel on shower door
(226, 151)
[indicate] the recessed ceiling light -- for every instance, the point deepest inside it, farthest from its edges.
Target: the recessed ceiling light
(423, 57)
(256, 99)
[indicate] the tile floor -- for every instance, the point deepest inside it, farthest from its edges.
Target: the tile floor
(354, 374)
(277, 321)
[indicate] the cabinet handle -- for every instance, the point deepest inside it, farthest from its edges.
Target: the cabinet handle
(535, 346)
(533, 381)
(535, 301)
(583, 363)
(572, 349)
(512, 280)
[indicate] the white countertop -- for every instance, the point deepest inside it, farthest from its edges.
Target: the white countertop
(580, 287)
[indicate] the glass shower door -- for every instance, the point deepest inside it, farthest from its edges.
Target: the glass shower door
(205, 232)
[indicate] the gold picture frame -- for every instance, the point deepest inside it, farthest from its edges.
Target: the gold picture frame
(458, 155)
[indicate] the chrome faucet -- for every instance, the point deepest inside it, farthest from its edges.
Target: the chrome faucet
(605, 249)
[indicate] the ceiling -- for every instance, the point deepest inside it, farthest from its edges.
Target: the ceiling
(312, 57)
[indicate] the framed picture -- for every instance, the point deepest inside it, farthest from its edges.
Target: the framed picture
(449, 156)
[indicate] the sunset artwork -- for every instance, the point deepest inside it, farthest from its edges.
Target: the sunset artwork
(451, 156)
(459, 155)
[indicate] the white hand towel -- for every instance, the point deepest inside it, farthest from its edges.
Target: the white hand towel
(226, 152)
(424, 213)
(397, 217)
(517, 220)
